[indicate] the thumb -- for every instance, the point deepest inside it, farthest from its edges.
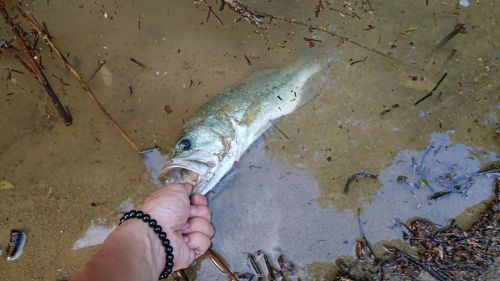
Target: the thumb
(188, 187)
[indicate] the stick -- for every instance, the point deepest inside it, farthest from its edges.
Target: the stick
(432, 91)
(4, 46)
(459, 28)
(255, 17)
(247, 13)
(323, 29)
(138, 62)
(41, 32)
(39, 75)
(435, 272)
(100, 64)
(211, 11)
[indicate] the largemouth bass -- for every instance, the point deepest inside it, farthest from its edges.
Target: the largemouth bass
(221, 130)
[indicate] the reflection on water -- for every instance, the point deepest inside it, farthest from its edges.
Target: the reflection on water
(267, 204)
(414, 176)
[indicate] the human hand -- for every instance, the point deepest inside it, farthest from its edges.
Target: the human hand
(186, 221)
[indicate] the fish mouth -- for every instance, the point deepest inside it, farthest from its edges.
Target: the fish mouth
(183, 171)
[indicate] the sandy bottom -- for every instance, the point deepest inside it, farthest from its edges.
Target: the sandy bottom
(286, 194)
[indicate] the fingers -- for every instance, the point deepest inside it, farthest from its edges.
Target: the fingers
(198, 224)
(199, 200)
(198, 242)
(200, 211)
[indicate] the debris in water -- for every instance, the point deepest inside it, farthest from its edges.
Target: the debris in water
(458, 28)
(432, 91)
(356, 177)
(438, 195)
(4, 185)
(220, 264)
(255, 266)
(138, 62)
(463, 3)
(16, 244)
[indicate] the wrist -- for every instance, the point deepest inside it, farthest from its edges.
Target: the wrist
(152, 250)
(155, 238)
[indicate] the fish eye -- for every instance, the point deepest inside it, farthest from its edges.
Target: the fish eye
(185, 144)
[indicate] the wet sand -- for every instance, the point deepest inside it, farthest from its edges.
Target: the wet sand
(362, 120)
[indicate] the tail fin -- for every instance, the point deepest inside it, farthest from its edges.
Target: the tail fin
(308, 64)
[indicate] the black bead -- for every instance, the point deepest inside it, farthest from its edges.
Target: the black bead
(163, 235)
(126, 216)
(139, 214)
(163, 275)
(170, 257)
(152, 222)
(169, 249)
(146, 218)
(169, 270)
(165, 243)
(132, 213)
(157, 229)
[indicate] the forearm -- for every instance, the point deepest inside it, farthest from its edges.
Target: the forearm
(131, 252)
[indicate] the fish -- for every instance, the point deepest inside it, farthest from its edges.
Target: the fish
(220, 132)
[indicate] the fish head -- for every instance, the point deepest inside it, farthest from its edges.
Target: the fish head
(200, 157)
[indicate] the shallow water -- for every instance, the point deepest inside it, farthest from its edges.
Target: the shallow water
(286, 193)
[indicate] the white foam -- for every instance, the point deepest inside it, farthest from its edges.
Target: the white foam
(154, 161)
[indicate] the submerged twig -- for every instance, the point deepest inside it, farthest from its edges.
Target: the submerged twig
(270, 269)
(438, 194)
(311, 27)
(43, 33)
(435, 272)
(100, 64)
(138, 62)
(254, 265)
(5, 47)
(432, 91)
(358, 61)
(211, 10)
(281, 131)
(35, 66)
(244, 11)
(459, 28)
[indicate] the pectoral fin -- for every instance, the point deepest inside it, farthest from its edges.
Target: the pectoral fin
(251, 113)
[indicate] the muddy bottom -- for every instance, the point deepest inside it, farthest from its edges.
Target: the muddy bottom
(405, 154)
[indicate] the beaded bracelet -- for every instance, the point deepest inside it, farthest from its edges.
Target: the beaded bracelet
(169, 264)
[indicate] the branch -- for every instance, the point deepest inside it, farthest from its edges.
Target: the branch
(35, 67)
